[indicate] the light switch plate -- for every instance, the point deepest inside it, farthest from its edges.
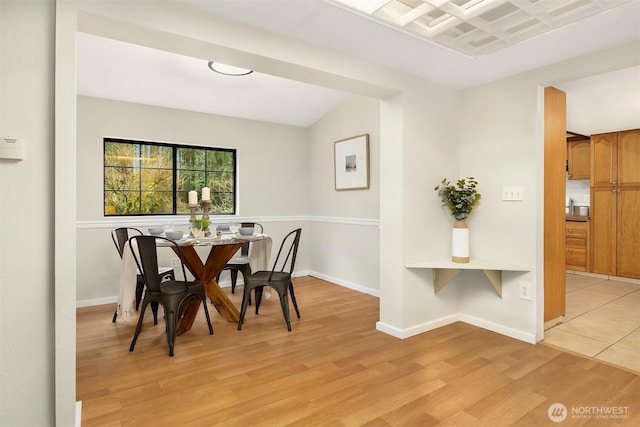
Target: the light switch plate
(512, 193)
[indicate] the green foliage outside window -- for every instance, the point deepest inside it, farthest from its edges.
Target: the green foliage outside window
(143, 178)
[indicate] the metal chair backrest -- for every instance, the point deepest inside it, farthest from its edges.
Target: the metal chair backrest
(290, 244)
(147, 259)
(121, 235)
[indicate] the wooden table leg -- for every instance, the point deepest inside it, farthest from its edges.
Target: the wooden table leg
(206, 273)
(187, 314)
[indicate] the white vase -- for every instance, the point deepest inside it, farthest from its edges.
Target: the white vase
(460, 242)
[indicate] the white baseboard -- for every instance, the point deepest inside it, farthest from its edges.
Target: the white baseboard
(458, 317)
(418, 329)
(346, 284)
(498, 328)
(78, 413)
(96, 301)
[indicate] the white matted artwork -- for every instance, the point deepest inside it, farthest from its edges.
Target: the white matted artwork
(351, 158)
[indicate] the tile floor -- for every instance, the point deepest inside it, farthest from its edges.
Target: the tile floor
(602, 320)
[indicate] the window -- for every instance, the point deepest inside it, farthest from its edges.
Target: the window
(148, 178)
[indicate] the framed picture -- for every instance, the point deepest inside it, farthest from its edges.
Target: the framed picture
(351, 159)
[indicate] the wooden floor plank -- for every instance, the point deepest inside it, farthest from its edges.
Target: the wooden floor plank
(333, 369)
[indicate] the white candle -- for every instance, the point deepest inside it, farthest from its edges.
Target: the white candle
(193, 198)
(206, 193)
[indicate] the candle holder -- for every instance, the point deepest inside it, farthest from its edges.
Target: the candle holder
(206, 207)
(192, 209)
(192, 217)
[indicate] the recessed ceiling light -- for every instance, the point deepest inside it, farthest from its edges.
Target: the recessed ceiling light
(228, 70)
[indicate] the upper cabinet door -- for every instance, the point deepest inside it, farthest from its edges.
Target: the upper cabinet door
(603, 159)
(629, 158)
(579, 158)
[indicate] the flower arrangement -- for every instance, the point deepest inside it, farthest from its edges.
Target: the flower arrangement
(459, 198)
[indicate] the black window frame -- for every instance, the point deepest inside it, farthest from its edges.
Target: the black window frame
(174, 190)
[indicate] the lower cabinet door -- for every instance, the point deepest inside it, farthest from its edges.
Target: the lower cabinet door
(576, 259)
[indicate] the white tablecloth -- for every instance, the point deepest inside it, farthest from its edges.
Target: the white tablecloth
(128, 280)
(259, 256)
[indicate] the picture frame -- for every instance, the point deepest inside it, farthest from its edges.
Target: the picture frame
(351, 163)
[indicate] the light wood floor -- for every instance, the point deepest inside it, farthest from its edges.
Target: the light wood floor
(333, 369)
(602, 320)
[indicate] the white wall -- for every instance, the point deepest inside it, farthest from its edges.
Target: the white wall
(273, 165)
(499, 136)
(344, 224)
(26, 215)
(419, 147)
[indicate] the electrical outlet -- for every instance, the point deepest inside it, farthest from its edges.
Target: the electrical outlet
(524, 291)
(512, 193)
(175, 262)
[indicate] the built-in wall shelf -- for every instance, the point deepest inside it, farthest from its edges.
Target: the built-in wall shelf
(444, 270)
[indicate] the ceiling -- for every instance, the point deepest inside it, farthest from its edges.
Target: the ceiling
(117, 70)
(476, 27)
(122, 71)
(603, 103)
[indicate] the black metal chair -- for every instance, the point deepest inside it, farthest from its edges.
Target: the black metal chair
(279, 278)
(241, 263)
(120, 236)
(170, 294)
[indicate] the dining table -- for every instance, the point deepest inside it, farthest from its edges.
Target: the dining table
(221, 250)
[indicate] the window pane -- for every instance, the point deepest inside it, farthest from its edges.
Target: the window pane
(119, 154)
(222, 203)
(190, 158)
(121, 202)
(220, 182)
(190, 180)
(220, 161)
(157, 202)
(156, 156)
(119, 178)
(157, 179)
(182, 205)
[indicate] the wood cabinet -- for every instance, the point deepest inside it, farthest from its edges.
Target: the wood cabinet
(615, 159)
(615, 204)
(576, 246)
(579, 158)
